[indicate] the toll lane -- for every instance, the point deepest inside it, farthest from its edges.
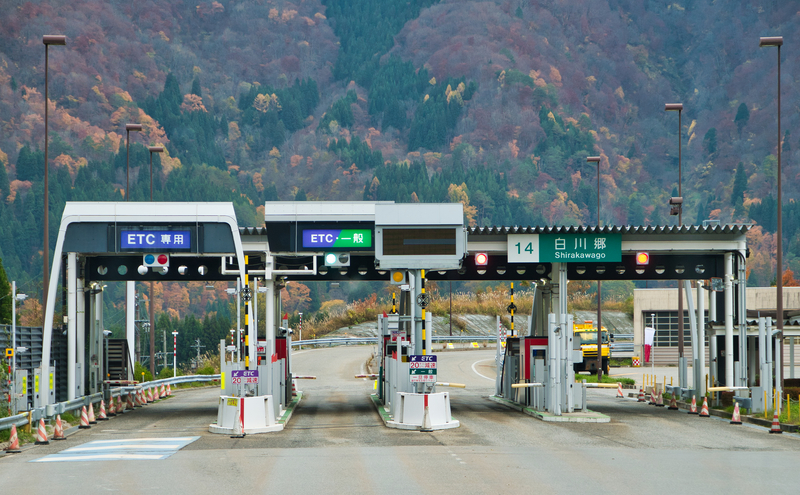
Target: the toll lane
(336, 443)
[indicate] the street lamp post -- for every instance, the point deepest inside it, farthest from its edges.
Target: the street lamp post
(150, 309)
(128, 129)
(48, 39)
(596, 160)
(777, 41)
(677, 209)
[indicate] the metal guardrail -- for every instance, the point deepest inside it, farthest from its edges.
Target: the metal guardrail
(51, 410)
(374, 340)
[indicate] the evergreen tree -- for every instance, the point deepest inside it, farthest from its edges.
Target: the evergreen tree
(6, 299)
(196, 87)
(742, 117)
(739, 186)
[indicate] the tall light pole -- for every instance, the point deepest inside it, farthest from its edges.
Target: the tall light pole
(48, 39)
(150, 309)
(778, 41)
(596, 159)
(128, 129)
(677, 209)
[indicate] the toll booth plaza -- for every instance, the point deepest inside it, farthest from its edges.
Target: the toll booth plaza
(405, 245)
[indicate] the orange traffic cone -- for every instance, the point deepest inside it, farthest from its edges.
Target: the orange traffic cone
(120, 405)
(776, 424)
(169, 390)
(149, 394)
(129, 401)
(693, 409)
(736, 419)
(641, 395)
(102, 416)
(112, 408)
(704, 409)
(673, 404)
(163, 392)
(13, 446)
(41, 434)
(653, 400)
(619, 391)
(660, 402)
(92, 420)
(84, 419)
(58, 431)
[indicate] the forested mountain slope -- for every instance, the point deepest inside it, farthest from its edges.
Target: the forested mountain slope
(492, 103)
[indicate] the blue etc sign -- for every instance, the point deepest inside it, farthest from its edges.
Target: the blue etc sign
(160, 239)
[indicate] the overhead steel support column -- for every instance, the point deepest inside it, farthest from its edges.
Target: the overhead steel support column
(742, 317)
(701, 340)
(80, 336)
(729, 319)
(72, 264)
(130, 318)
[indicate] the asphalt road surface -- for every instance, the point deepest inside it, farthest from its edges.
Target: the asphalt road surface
(336, 443)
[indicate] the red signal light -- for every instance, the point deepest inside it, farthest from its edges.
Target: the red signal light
(481, 259)
(642, 258)
(162, 259)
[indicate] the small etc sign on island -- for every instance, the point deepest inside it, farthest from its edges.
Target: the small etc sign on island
(244, 376)
(422, 368)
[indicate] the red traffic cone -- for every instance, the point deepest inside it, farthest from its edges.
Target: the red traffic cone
(41, 434)
(641, 395)
(619, 391)
(704, 409)
(120, 405)
(149, 394)
(673, 404)
(653, 400)
(294, 388)
(736, 419)
(163, 392)
(660, 402)
(102, 416)
(58, 431)
(13, 446)
(84, 419)
(693, 409)
(92, 420)
(129, 401)
(776, 424)
(112, 408)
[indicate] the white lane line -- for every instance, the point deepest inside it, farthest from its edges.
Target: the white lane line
(102, 457)
(480, 374)
(143, 440)
(141, 446)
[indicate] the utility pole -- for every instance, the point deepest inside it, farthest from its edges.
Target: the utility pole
(198, 346)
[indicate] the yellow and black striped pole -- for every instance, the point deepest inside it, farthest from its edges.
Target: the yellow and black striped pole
(423, 314)
(394, 303)
(512, 308)
(246, 318)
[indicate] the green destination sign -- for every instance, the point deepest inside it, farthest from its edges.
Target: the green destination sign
(423, 371)
(564, 248)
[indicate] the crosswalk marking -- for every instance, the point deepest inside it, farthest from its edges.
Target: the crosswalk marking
(135, 449)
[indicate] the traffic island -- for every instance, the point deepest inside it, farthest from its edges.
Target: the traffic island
(573, 417)
(413, 415)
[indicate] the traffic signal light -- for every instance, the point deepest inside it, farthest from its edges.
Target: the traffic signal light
(337, 259)
(481, 259)
(642, 258)
(156, 260)
(398, 277)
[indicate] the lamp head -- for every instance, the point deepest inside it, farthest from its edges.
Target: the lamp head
(54, 39)
(133, 127)
(156, 149)
(770, 41)
(673, 106)
(593, 159)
